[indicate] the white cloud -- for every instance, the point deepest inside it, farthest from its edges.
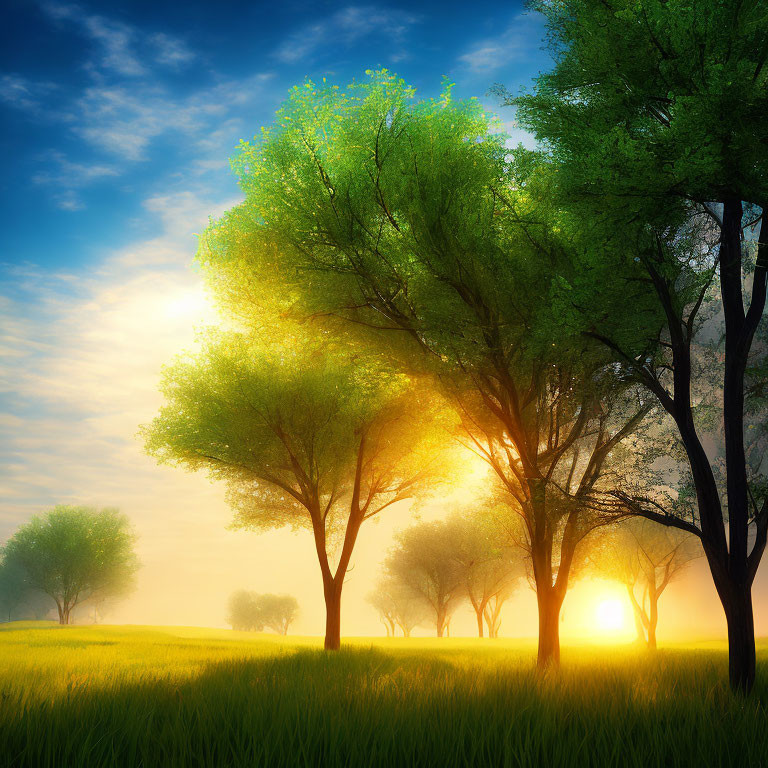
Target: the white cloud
(23, 93)
(170, 50)
(122, 48)
(124, 121)
(346, 27)
(520, 39)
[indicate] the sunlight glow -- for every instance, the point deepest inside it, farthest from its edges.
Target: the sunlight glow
(189, 303)
(610, 615)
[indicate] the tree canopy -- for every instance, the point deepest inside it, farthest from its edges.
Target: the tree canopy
(74, 554)
(409, 225)
(311, 437)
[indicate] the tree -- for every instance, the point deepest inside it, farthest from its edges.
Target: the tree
(74, 554)
(307, 438)
(643, 555)
(654, 115)
(243, 613)
(421, 563)
(406, 224)
(488, 571)
(277, 611)
(396, 605)
(18, 600)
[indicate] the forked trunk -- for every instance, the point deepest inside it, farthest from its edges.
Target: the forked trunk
(479, 612)
(440, 622)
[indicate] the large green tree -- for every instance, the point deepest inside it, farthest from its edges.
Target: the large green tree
(74, 554)
(655, 117)
(303, 436)
(406, 223)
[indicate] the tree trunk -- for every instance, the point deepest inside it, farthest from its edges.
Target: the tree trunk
(653, 618)
(549, 628)
(333, 615)
(638, 614)
(479, 613)
(440, 622)
(741, 639)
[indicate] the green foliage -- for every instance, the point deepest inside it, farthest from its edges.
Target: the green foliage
(282, 427)
(656, 102)
(74, 554)
(18, 600)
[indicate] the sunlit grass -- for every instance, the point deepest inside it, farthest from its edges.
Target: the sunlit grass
(143, 696)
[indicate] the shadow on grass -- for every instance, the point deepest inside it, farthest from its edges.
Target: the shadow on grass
(361, 707)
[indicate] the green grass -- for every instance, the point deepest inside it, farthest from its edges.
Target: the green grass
(143, 696)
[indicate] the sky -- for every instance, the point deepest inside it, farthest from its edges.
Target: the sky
(117, 122)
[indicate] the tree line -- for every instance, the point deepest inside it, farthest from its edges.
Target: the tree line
(587, 318)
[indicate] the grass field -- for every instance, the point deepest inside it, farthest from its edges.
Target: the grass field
(144, 696)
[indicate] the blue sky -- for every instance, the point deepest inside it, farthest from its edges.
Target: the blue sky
(116, 125)
(106, 107)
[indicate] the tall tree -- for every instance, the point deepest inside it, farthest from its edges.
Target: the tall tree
(303, 437)
(644, 557)
(655, 114)
(73, 554)
(404, 222)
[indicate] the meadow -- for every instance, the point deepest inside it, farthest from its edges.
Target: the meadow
(152, 696)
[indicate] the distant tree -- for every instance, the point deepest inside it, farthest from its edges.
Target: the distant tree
(487, 570)
(18, 600)
(74, 554)
(303, 435)
(277, 611)
(396, 605)
(421, 562)
(645, 557)
(243, 614)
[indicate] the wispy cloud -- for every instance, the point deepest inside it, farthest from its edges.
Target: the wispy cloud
(64, 177)
(23, 93)
(125, 120)
(346, 27)
(519, 40)
(122, 48)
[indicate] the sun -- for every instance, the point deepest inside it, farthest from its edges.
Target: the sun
(610, 615)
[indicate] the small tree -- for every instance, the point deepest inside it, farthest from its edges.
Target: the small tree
(277, 611)
(397, 606)
(243, 613)
(73, 554)
(303, 436)
(644, 556)
(421, 562)
(487, 570)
